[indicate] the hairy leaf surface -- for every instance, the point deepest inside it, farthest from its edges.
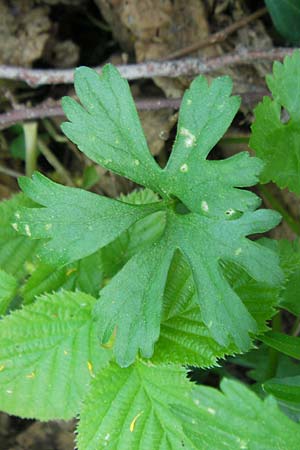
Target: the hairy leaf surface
(236, 419)
(8, 289)
(15, 250)
(49, 353)
(133, 409)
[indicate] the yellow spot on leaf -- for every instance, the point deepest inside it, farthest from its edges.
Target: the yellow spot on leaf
(132, 425)
(30, 375)
(71, 270)
(90, 367)
(2, 367)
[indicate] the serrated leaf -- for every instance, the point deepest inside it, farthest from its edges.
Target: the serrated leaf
(286, 18)
(274, 141)
(205, 186)
(85, 275)
(107, 128)
(134, 305)
(289, 345)
(236, 419)
(49, 353)
(133, 409)
(75, 222)
(15, 250)
(184, 338)
(8, 289)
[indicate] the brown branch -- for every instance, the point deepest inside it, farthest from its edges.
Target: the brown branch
(54, 110)
(149, 69)
(219, 36)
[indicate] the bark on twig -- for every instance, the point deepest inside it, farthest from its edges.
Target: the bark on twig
(149, 69)
(54, 110)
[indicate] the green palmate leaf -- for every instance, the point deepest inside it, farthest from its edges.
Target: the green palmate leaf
(133, 409)
(276, 141)
(235, 419)
(49, 352)
(184, 338)
(285, 389)
(108, 129)
(15, 250)
(206, 215)
(286, 18)
(289, 345)
(135, 304)
(75, 222)
(8, 289)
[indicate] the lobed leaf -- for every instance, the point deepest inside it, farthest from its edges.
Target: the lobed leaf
(75, 222)
(274, 140)
(107, 127)
(237, 419)
(205, 215)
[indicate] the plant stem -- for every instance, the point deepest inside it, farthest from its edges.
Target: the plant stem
(51, 158)
(30, 134)
(292, 223)
(274, 354)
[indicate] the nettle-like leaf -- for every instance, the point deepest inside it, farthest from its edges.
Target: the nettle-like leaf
(85, 275)
(8, 289)
(235, 419)
(276, 139)
(132, 408)
(15, 250)
(207, 216)
(48, 355)
(184, 337)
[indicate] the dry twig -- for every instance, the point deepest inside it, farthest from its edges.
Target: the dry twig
(149, 69)
(54, 110)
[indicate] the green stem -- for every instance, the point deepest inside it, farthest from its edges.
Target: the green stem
(30, 134)
(292, 223)
(274, 354)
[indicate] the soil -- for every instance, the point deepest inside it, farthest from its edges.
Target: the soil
(67, 33)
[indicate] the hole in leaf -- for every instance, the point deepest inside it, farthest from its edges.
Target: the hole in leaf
(284, 116)
(180, 208)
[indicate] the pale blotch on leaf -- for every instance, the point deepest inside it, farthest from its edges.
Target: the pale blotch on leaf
(27, 230)
(238, 251)
(15, 226)
(229, 212)
(48, 226)
(204, 206)
(189, 137)
(211, 411)
(184, 168)
(17, 215)
(136, 162)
